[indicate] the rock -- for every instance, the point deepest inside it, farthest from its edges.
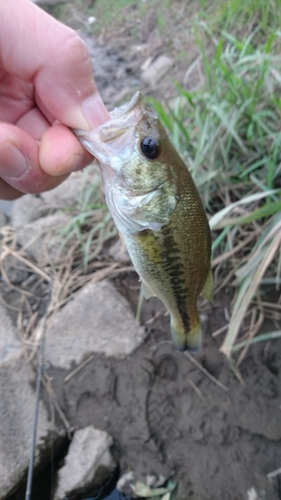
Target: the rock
(17, 402)
(30, 207)
(157, 70)
(3, 219)
(124, 94)
(119, 252)
(40, 238)
(91, 20)
(125, 481)
(6, 206)
(97, 320)
(146, 64)
(87, 465)
(10, 345)
(67, 193)
(26, 209)
(14, 269)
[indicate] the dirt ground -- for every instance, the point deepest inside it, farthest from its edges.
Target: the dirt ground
(165, 415)
(168, 418)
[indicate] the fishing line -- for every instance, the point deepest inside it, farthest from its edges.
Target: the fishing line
(139, 306)
(40, 369)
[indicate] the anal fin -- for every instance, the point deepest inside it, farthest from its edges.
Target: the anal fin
(147, 292)
(207, 291)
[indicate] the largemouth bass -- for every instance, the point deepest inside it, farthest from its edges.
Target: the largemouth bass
(157, 209)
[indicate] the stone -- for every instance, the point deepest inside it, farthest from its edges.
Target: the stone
(88, 464)
(6, 206)
(15, 270)
(17, 402)
(3, 219)
(97, 320)
(31, 207)
(10, 345)
(156, 70)
(67, 193)
(125, 481)
(119, 252)
(124, 94)
(40, 238)
(26, 209)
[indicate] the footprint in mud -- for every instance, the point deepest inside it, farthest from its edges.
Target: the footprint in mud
(162, 411)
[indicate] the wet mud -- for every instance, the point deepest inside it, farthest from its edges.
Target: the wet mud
(168, 418)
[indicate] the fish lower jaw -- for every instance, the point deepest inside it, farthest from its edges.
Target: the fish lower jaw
(187, 340)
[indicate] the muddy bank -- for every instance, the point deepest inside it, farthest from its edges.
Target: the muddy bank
(167, 418)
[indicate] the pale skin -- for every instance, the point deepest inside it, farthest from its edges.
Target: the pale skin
(46, 88)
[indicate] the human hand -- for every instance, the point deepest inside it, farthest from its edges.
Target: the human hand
(46, 86)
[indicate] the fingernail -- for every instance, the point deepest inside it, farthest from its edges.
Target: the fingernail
(13, 163)
(95, 111)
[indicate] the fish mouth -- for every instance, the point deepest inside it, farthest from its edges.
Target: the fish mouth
(120, 111)
(121, 118)
(110, 137)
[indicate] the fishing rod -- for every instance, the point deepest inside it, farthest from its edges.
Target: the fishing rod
(40, 368)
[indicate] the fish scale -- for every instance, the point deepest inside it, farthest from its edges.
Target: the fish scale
(158, 211)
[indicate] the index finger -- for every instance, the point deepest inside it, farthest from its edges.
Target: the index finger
(37, 48)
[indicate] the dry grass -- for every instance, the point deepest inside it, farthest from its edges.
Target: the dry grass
(252, 251)
(82, 258)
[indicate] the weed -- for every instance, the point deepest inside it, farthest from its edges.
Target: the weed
(265, 13)
(91, 224)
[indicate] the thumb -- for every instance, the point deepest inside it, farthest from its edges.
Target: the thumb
(38, 49)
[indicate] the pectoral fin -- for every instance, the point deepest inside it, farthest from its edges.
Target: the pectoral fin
(207, 291)
(147, 211)
(147, 292)
(155, 208)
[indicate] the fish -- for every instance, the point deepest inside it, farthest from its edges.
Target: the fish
(158, 211)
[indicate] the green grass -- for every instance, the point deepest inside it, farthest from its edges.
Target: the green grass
(265, 13)
(91, 224)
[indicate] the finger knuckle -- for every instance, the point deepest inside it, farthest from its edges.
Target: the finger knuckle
(76, 49)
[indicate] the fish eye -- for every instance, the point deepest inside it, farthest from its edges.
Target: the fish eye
(150, 147)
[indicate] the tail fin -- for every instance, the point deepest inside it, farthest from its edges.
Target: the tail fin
(187, 340)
